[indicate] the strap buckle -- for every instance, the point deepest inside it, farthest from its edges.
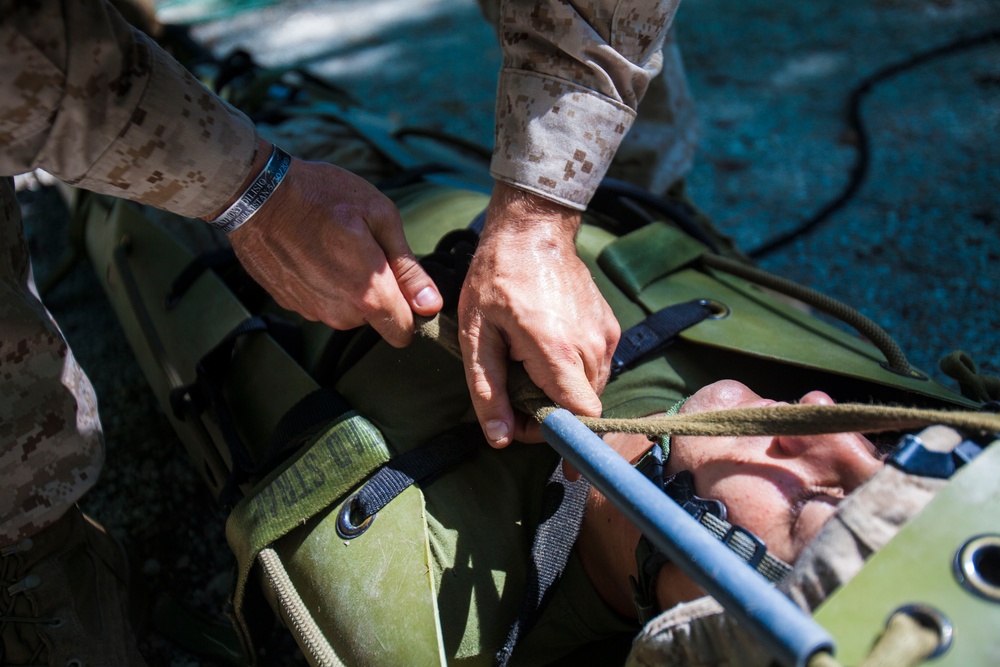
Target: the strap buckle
(699, 507)
(759, 548)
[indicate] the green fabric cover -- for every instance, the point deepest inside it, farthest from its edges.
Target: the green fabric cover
(654, 251)
(480, 516)
(917, 567)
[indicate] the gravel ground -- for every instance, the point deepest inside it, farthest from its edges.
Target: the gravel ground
(916, 249)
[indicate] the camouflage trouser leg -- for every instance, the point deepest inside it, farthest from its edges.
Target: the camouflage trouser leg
(50, 437)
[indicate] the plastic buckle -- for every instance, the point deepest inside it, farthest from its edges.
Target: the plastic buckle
(759, 549)
(965, 452)
(617, 368)
(699, 507)
(913, 458)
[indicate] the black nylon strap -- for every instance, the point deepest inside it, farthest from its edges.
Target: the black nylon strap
(207, 390)
(655, 332)
(419, 465)
(562, 515)
(747, 546)
(478, 223)
(315, 409)
(711, 514)
(649, 560)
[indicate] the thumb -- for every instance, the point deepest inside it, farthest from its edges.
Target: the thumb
(417, 287)
(414, 283)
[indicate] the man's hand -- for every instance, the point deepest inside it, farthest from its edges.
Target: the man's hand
(529, 298)
(330, 246)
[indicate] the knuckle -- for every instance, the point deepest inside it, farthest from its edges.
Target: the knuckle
(482, 389)
(406, 269)
(383, 208)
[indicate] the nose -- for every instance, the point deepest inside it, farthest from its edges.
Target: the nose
(817, 398)
(844, 460)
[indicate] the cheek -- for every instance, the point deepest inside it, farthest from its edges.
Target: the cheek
(761, 507)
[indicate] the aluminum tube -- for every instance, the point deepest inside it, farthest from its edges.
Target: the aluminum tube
(785, 630)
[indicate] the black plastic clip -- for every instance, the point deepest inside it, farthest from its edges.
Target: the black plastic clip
(759, 548)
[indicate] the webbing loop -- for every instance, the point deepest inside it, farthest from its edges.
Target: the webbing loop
(563, 506)
(656, 332)
(208, 391)
(422, 464)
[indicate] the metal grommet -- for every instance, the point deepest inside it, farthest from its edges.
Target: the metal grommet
(977, 566)
(929, 617)
(74, 662)
(346, 526)
(718, 309)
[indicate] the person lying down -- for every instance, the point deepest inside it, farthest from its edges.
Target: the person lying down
(782, 489)
(481, 515)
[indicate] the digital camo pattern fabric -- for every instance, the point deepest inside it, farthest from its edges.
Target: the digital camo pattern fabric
(572, 78)
(50, 435)
(659, 150)
(98, 105)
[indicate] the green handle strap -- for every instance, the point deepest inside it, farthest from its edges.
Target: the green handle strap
(336, 462)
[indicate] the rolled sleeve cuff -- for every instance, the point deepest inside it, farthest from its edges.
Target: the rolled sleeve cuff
(555, 138)
(183, 149)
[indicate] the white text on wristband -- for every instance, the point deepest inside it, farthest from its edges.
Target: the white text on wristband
(254, 196)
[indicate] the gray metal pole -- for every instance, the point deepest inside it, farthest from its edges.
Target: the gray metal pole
(785, 630)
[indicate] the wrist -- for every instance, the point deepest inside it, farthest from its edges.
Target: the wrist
(523, 213)
(266, 172)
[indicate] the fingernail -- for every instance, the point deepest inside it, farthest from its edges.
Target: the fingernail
(426, 298)
(496, 431)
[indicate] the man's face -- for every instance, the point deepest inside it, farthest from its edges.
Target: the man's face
(782, 488)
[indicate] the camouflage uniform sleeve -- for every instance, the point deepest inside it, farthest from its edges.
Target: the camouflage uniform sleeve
(99, 105)
(572, 77)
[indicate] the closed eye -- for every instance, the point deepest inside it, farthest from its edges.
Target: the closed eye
(828, 495)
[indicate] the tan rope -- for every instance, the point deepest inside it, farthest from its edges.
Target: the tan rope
(905, 642)
(795, 420)
(822, 659)
(772, 420)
